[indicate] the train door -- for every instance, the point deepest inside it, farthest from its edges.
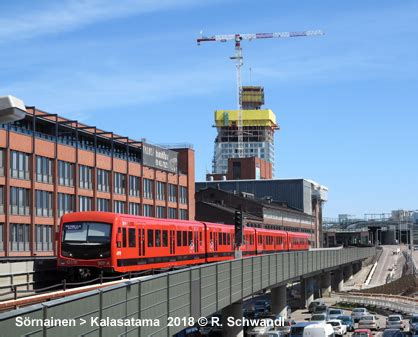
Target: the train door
(172, 242)
(215, 241)
(196, 239)
(131, 238)
(141, 240)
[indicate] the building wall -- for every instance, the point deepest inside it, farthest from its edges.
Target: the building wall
(33, 233)
(249, 168)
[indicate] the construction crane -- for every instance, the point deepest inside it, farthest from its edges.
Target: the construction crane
(238, 58)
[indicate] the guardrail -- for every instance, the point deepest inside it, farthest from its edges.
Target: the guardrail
(402, 304)
(189, 293)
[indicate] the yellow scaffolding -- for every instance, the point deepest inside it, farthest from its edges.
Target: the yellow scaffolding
(259, 117)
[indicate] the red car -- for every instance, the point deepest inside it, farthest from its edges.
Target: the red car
(362, 333)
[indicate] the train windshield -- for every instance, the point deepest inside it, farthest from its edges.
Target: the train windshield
(93, 232)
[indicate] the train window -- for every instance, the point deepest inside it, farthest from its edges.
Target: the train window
(224, 238)
(210, 236)
(150, 238)
(200, 237)
(118, 243)
(157, 238)
(165, 239)
(184, 238)
(132, 239)
(178, 238)
(220, 238)
(190, 238)
(124, 237)
(228, 237)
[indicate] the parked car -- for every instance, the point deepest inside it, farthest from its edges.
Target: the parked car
(297, 329)
(369, 322)
(318, 330)
(319, 309)
(318, 318)
(395, 322)
(339, 328)
(261, 306)
(362, 333)
(392, 333)
(413, 324)
(314, 304)
(286, 327)
(334, 313)
(347, 321)
(358, 313)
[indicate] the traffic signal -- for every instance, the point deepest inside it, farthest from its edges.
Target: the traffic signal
(239, 228)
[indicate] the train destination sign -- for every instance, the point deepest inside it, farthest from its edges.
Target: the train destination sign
(159, 158)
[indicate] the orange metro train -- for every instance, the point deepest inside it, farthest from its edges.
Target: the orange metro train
(93, 241)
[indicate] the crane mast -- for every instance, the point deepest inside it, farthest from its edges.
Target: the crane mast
(239, 62)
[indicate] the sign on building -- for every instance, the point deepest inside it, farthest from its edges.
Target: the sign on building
(159, 158)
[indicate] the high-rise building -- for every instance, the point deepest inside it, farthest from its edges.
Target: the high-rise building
(258, 126)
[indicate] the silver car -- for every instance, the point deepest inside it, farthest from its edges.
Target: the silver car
(395, 322)
(358, 313)
(334, 313)
(369, 322)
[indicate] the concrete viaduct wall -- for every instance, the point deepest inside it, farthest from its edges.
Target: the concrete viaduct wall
(194, 292)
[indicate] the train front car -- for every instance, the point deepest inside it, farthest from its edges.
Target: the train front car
(84, 244)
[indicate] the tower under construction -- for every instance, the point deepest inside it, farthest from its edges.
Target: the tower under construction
(258, 126)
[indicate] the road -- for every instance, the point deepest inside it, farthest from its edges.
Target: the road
(386, 261)
(303, 315)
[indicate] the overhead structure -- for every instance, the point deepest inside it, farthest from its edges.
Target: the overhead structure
(238, 58)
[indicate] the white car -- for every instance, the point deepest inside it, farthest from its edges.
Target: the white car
(339, 328)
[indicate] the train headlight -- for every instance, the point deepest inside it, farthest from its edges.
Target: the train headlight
(66, 253)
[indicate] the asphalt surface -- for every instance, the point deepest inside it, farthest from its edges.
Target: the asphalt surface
(387, 262)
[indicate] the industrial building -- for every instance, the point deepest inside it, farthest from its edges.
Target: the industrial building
(50, 165)
(216, 205)
(302, 195)
(258, 127)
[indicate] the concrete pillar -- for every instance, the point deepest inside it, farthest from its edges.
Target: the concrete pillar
(233, 310)
(338, 280)
(326, 284)
(317, 287)
(348, 272)
(279, 301)
(307, 292)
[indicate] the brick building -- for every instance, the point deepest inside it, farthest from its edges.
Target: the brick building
(50, 165)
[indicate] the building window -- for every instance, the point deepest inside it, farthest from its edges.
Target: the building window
(19, 165)
(148, 210)
(84, 203)
(148, 188)
(103, 205)
(43, 169)
(43, 237)
(85, 174)
(160, 190)
(65, 173)
(183, 214)
(172, 213)
(1, 162)
(160, 212)
(19, 237)
(65, 203)
(119, 206)
(183, 195)
(172, 193)
(1, 199)
(19, 201)
(134, 186)
(43, 203)
(134, 208)
(120, 183)
(103, 184)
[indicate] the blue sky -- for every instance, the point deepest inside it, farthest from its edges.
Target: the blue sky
(346, 102)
